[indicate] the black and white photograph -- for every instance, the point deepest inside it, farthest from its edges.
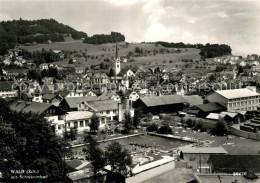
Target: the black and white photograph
(130, 91)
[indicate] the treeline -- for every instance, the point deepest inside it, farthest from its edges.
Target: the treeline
(29, 31)
(215, 50)
(206, 51)
(102, 38)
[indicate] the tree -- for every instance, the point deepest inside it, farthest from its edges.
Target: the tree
(94, 154)
(166, 129)
(28, 141)
(118, 158)
(94, 124)
(137, 118)
(220, 129)
(152, 128)
(111, 72)
(128, 123)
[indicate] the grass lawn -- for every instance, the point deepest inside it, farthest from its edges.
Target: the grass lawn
(108, 50)
(178, 175)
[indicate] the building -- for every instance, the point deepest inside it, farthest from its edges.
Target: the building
(8, 89)
(81, 120)
(117, 66)
(160, 104)
(234, 163)
(197, 157)
(71, 103)
(109, 108)
(234, 100)
(248, 177)
(51, 98)
(206, 109)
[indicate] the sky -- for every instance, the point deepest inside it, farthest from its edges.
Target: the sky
(232, 22)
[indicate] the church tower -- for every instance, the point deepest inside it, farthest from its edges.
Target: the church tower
(117, 66)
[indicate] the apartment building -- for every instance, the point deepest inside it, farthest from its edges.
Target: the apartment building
(242, 99)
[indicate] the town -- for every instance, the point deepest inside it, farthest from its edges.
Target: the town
(75, 108)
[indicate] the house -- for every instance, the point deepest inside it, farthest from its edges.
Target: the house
(234, 163)
(206, 109)
(242, 99)
(71, 103)
(51, 98)
(82, 119)
(79, 70)
(160, 104)
(8, 89)
(132, 95)
(36, 108)
(120, 80)
(44, 66)
(99, 78)
(109, 108)
(89, 93)
(197, 157)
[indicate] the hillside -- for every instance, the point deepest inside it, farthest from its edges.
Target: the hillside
(29, 31)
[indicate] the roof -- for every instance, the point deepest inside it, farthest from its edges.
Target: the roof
(48, 96)
(103, 105)
(211, 107)
(162, 100)
(237, 93)
(77, 115)
(202, 150)
(214, 116)
(230, 114)
(6, 85)
(235, 163)
(193, 99)
(26, 107)
(220, 177)
(73, 101)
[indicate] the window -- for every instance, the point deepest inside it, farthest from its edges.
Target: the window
(114, 111)
(75, 124)
(59, 127)
(86, 122)
(69, 124)
(108, 112)
(81, 123)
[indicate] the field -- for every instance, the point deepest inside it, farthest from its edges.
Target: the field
(99, 52)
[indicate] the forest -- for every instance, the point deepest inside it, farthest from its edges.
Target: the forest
(103, 38)
(29, 31)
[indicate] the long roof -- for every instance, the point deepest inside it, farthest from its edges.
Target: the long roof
(211, 107)
(26, 107)
(237, 93)
(193, 99)
(203, 150)
(103, 105)
(73, 101)
(162, 100)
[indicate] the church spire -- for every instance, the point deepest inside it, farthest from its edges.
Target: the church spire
(116, 51)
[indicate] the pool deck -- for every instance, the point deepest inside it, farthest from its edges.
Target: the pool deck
(187, 139)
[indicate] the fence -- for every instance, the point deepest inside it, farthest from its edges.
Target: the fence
(240, 133)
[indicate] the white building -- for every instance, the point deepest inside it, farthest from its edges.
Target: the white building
(242, 99)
